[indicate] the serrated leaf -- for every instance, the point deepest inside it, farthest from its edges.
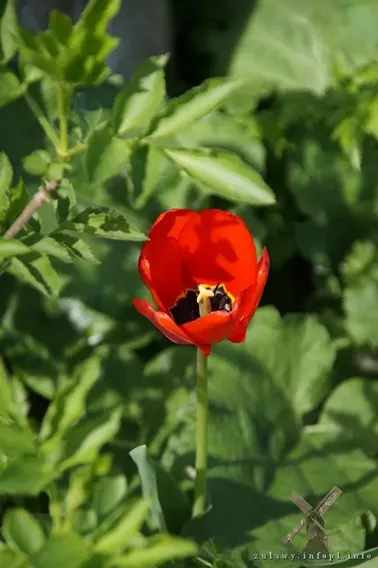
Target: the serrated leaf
(139, 101)
(107, 156)
(89, 44)
(66, 200)
(9, 31)
(103, 222)
(76, 247)
(18, 198)
(224, 174)
(6, 176)
(23, 532)
(192, 105)
(36, 270)
(147, 165)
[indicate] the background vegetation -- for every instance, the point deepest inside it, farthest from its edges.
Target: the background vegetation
(86, 384)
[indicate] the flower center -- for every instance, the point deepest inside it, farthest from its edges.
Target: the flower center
(197, 303)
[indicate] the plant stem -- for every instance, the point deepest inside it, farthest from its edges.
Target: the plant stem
(39, 198)
(44, 123)
(201, 437)
(63, 125)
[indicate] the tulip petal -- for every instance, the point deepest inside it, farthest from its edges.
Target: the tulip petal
(209, 329)
(160, 263)
(163, 322)
(218, 248)
(249, 300)
(162, 270)
(170, 223)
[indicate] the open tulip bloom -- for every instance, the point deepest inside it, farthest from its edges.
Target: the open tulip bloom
(201, 263)
(202, 271)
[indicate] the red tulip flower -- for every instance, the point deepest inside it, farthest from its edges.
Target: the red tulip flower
(202, 271)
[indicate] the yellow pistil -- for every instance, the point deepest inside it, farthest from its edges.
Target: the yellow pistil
(203, 299)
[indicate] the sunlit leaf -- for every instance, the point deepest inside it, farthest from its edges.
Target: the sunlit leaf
(224, 174)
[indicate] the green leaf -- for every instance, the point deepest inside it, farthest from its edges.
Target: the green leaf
(10, 87)
(9, 33)
(162, 549)
(23, 532)
(12, 247)
(148, 165)
(76, 247)
(61, 551)
(117, 539)
(170, 507)
(225, 174)
(139, 101)
(147, 476)
(241, 135)
(15, 440)
(37, 162)
(66, 200)
(36, 271)
(318, 463)
(8, 557)
(89, 44)
(49, 246)
(352, 409)
(97, 15)
(192, 105)
(18, 198)
(70, 402)
(61, 246)
(6, 399)
(359, 304)
(102, 222)
(6, 176)
(27, 474)
(107, 156)
(84, 441)
(61, 26)
(109, 492)
(294, 45)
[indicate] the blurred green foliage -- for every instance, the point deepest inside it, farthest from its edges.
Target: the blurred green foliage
(96, 408)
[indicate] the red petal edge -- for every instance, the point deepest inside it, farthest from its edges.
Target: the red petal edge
(162, 322)
(249, 300)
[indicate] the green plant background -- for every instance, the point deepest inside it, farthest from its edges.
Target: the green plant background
(96, 408)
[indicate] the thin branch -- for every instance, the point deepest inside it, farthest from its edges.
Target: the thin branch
(40, 198)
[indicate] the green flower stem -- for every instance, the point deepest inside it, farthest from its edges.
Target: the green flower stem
(201, 438)
(43, 122)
